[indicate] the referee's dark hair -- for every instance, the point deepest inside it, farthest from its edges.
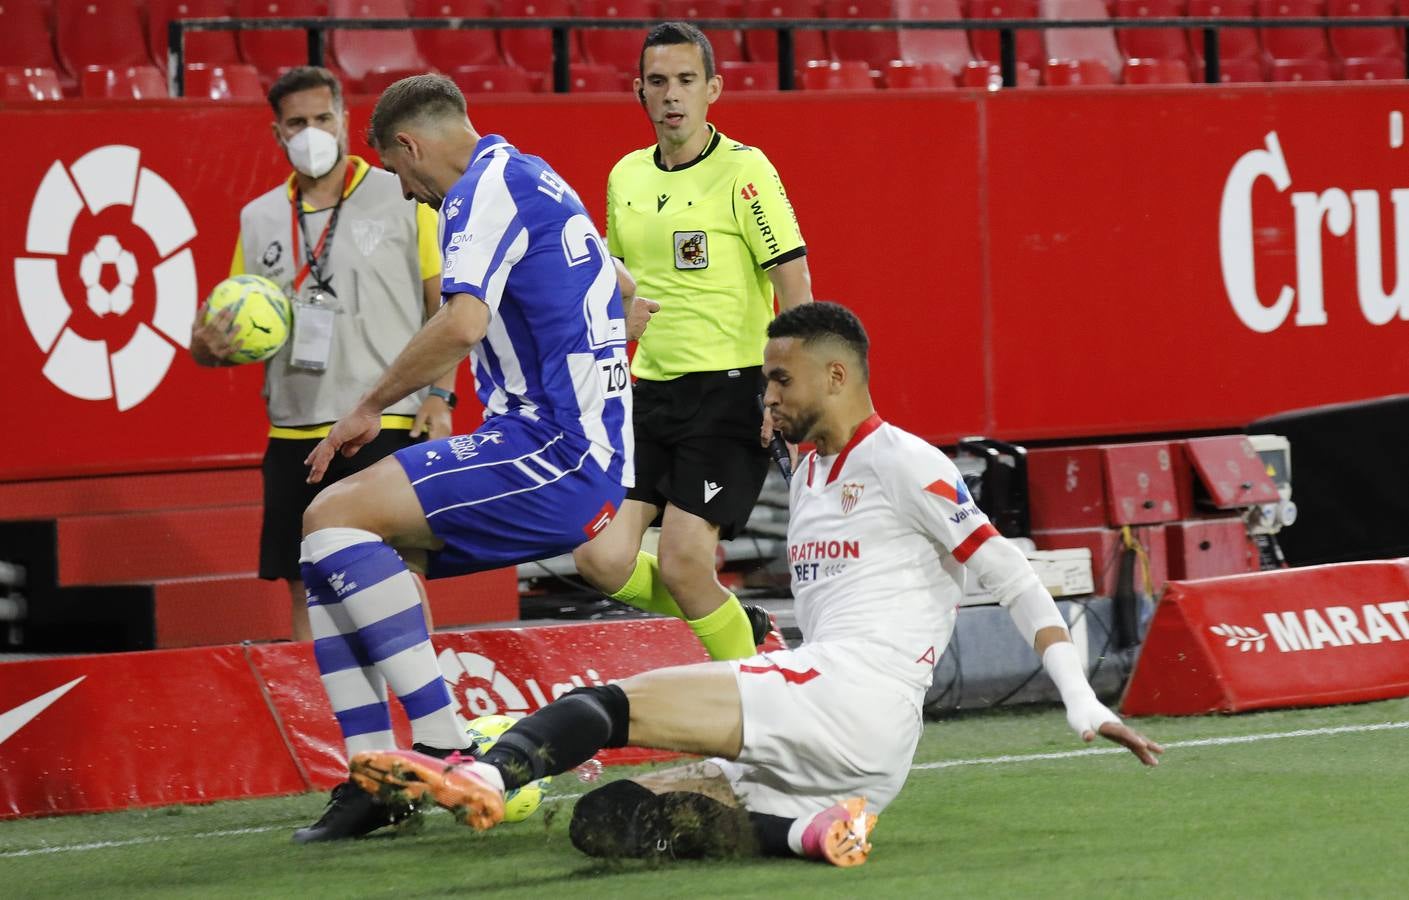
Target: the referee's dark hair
(668, 33)
(417, 97)
(823, 321)
(302, 78)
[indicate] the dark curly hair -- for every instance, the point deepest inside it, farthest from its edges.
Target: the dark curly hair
(823, 321)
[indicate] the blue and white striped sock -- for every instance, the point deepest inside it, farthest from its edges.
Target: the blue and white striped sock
(355, 688)
(377, 595)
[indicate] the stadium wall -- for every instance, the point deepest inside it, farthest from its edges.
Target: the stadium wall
(1031, 265)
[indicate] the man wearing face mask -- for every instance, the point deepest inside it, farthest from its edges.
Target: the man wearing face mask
(362, 266)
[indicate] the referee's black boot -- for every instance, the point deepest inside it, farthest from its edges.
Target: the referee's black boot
(760, 621)
(351, 812)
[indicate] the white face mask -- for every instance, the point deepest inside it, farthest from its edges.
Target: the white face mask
(313, 152)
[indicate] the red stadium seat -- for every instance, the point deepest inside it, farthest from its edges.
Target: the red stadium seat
(1077, 73)
(728, 45)
(494, 79)
(989, 76)
(1151, 43)
(948, 48)
(379, 79)
(1157, 71)
(238, 81)
(985, 43)
(213, 47)
(532, 49)
(1365, 43)
(595, 78)
(274, 52)
(1084, 44)
(386, 53)
(1373, 69)
(615, 47)
(1293, 43)
(875, 48)
(29, 83)
(26, 40)
(749, 76)
(1239, 55)
(1235, 71)
(101, 33)
(844, 75)
(917, 76)
(124, 83)
(762, 45)
(1302, 70)
(450, 49)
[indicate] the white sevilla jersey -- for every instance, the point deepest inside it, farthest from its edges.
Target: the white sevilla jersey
(878, 540)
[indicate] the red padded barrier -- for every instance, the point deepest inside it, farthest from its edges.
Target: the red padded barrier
(1294, 637)
(137, 729)
(219, 723)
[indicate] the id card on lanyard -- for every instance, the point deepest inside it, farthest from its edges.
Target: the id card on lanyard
(315, 314)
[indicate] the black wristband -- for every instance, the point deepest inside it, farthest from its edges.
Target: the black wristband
(448, 396)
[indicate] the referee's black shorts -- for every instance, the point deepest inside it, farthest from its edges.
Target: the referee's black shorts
(287, 493)
(697, 445)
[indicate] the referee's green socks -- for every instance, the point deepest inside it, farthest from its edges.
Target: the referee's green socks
(726, 633)
(645, 589)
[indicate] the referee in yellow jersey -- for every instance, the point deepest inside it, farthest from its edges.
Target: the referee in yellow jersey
(703, 224)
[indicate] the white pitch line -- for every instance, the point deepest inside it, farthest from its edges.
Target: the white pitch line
(945, 764)
(1201, 742)
(134, 842)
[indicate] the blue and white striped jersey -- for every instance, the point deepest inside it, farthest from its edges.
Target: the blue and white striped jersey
(517, 237)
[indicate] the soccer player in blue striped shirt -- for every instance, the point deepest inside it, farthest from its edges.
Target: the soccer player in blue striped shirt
(531, 296)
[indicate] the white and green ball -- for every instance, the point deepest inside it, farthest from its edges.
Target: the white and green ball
(521, 802)
(263, 316)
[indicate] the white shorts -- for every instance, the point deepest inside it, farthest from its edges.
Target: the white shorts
(820, 725)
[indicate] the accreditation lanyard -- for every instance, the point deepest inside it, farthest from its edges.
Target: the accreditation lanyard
(316, 255)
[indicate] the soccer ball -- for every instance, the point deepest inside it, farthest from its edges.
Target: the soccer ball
(519, 803)
(263, 316)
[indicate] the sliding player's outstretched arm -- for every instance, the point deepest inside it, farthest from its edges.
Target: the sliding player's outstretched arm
(941, 506)
(445, 340)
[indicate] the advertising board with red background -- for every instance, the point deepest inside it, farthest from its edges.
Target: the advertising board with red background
(1030, 264)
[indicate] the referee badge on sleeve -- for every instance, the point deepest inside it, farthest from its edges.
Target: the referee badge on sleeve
(691, 250)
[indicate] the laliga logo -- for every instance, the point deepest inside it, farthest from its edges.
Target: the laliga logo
(1331, 209)
(490, 691)
(80, 361)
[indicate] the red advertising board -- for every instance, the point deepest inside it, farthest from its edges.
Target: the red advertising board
(89, 733)
(1294, 637)
(1030, 264)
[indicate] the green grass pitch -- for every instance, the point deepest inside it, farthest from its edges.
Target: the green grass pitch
(1277, 815)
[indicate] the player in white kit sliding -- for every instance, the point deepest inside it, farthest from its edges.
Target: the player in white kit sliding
(881, 535)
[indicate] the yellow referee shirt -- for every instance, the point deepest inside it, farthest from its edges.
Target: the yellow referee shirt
(700, 239)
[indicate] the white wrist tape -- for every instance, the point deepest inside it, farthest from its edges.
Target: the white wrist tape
(1084, 712)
